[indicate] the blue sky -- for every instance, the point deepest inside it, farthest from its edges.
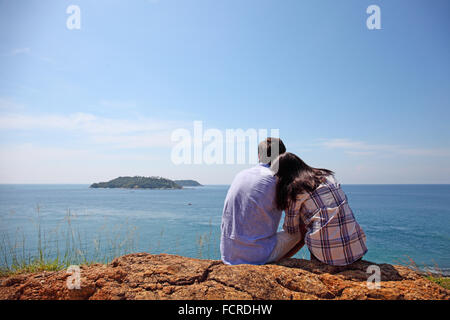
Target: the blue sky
(80, 106)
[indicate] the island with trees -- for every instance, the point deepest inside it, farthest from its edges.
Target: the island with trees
(138, 182)
(187, 183)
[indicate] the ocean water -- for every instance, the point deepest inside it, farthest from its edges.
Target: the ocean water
(402, 222)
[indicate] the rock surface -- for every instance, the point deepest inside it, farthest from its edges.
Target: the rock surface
(146, 276)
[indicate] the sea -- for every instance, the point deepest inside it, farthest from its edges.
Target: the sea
(404, 224)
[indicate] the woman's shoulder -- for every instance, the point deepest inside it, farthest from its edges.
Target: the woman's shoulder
(329, 182)
(331, 179)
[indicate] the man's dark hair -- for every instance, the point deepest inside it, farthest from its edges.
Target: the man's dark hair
(270, 149)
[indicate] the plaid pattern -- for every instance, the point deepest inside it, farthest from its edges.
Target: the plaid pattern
(333, 236)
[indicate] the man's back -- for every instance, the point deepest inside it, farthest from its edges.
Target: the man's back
(250, 219)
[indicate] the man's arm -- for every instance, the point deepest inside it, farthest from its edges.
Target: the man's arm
(299, 244)
(293, 224)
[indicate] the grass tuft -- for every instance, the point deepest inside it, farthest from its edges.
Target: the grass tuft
(16, 257)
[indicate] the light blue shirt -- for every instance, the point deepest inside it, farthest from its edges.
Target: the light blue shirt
(250, 219)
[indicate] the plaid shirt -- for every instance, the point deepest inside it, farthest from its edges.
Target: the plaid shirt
(333, 236)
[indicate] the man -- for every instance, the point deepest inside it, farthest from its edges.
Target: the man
(250, 218)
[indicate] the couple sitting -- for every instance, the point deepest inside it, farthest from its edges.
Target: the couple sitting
(316, 212)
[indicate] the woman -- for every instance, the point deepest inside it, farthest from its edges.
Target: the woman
(313, 200)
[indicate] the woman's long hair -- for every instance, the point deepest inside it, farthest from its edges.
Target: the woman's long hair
(294, 177)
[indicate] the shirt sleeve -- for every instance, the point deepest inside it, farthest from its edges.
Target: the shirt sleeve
(292, 220)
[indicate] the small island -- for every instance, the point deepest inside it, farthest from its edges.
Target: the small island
(188, 183)
(138, 182)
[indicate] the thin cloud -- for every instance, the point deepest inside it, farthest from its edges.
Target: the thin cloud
(360, 148)
(118, 104)
(18, 51)
(123, 133)
(352, 144)
(9, 105)
(361, 153)
(68, 165)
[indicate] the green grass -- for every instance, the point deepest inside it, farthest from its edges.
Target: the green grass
(31, 267)
(437, 277)
(66, 245)
(52, 253)
(442, 281)
(204, 243)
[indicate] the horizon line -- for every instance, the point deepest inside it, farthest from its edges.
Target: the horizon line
(227, 184)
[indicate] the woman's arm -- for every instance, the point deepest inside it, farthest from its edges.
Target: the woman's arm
(299, 244)
(293, 224)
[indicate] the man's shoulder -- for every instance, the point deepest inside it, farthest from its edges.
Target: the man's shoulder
(255, 177)
(258, 171)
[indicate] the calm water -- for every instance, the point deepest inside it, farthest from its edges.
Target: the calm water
(401, 221)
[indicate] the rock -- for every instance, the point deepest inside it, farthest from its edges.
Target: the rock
(146, 276)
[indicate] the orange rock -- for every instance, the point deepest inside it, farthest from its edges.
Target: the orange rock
(146, 276)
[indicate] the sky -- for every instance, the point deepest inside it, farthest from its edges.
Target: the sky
(91, 104)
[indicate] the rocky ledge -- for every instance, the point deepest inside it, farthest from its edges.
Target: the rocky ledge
(146, 276)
